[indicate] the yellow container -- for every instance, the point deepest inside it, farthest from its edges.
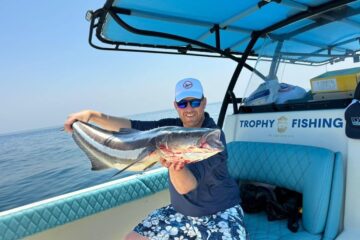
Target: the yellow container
(336, 81)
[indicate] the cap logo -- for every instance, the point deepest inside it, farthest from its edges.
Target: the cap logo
(355, 121)
(187, 84)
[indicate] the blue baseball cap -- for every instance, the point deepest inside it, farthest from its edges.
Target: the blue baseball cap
(188, 87)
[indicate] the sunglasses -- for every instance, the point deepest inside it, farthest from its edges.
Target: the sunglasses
(194, 103)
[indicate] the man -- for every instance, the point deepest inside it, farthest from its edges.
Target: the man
(204, 199)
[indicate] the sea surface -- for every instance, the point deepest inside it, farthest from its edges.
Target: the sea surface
(44, 163)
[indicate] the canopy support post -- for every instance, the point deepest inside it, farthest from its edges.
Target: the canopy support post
(235, 76)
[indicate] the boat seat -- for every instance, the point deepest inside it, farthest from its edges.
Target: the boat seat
(57, 211)
(315, 172)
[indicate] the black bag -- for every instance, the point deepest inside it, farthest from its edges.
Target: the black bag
(254, 198)
(278, 203)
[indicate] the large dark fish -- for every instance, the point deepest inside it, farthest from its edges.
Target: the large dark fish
(135, 150)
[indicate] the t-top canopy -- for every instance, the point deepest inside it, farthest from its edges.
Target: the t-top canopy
(301, 31)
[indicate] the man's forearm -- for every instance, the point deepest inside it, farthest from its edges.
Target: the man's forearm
(183, 180)
(109, 122)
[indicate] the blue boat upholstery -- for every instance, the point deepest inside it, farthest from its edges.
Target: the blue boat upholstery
(28, 221)
(315, 172)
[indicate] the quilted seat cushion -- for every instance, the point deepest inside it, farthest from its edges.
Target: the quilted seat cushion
(260, 228)
(64, 209)
(304, 169)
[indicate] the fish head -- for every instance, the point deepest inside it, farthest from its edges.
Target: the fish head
(191, 144)
(211, 141)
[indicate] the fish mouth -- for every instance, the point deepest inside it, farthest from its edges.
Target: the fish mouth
(211, 141)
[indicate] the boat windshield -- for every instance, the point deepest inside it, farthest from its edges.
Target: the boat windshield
(296, 73)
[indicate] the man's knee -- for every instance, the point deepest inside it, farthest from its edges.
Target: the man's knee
(135, 236)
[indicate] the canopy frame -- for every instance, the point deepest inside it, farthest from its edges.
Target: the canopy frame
(195, 47)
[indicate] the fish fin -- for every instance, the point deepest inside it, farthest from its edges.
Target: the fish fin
(150, 165)
(155, 158)
(146, 152)
(122, 170)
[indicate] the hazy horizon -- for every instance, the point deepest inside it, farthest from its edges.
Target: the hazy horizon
(60, 125)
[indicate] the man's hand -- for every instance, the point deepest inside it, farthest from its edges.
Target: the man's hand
(83, 116)
(174, 165)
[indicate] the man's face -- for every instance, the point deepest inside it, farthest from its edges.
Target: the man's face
(191, 116)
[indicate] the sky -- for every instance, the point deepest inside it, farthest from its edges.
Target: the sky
(48, 70)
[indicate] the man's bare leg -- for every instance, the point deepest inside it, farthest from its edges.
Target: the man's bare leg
(135, 236)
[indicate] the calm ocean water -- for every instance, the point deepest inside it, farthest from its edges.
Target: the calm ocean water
(40, 164)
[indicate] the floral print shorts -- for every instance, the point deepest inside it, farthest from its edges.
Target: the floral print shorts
(167, 223)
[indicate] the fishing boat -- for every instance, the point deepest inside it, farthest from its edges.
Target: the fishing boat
(289, 113)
